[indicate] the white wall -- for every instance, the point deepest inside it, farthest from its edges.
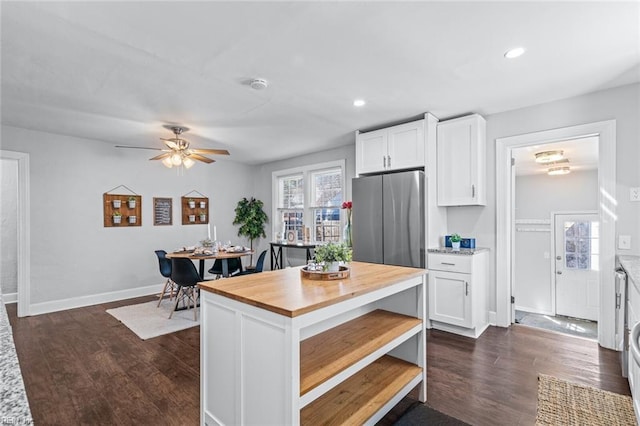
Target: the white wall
(536, 197)
(8, 226)
(262, 187)
(621, 104)
(72, 254)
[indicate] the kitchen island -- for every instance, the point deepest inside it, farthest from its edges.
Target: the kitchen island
(278, 349)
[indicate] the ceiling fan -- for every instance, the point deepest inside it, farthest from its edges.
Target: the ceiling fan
(178, 152)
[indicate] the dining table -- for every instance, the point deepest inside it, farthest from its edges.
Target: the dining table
(224, 256)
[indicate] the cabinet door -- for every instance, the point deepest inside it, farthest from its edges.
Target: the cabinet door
(406, 146)
(371, 151)
(461, 162)
(450, 298)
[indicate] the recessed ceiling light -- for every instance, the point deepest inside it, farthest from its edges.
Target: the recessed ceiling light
(514, 53)
(359, 102)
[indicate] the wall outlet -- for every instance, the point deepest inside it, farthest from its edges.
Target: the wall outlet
(624, 242)
(634, 194)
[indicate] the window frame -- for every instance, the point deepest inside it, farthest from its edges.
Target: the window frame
(307, 173)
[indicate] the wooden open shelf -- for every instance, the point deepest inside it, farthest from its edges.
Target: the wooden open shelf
(188, 211)
(109, 209)
(328, 353)
(358, 398)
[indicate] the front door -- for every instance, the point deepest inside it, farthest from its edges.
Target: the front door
(577, 238)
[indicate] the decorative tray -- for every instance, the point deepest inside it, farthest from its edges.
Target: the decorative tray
(342, 273)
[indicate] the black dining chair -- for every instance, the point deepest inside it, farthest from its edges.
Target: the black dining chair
(165, 270)
(186, 277)
(234, 264)
(258, 268)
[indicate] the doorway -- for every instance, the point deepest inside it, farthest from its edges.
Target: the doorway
(22, 223)
(606, 210)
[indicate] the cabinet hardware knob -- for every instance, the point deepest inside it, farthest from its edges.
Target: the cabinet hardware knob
(466, 291)
(388, 160)
(384, 161)
(448, 264)
(473, 191)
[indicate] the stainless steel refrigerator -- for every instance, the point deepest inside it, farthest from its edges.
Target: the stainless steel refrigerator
(388, 219)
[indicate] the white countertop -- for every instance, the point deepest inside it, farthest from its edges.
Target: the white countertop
(631, 265)
(462, 251)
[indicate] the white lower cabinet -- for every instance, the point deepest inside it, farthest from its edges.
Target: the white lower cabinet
(458, 293)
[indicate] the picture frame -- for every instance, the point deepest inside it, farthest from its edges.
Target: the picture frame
(292, 236)
(162, 211)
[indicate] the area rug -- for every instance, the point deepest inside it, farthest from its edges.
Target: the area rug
(147, 321)
(565, 403)
(573, 326)
(420, 414)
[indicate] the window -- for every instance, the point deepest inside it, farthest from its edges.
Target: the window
(309, 198)
(581, 245)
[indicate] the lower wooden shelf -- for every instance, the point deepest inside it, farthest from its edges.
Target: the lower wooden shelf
(358, 398)
(326, 354)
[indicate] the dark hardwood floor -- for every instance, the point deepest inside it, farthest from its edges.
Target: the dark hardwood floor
(82, 366)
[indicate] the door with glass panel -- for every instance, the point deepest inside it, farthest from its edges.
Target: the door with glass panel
(577, 243)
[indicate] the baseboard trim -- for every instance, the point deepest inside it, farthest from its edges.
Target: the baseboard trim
(493, 318)
(94, 299)
(9, 298)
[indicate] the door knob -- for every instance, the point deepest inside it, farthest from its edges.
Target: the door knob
(558, 257)
(559, 272)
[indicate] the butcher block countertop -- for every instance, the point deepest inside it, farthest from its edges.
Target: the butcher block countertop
(285, 292)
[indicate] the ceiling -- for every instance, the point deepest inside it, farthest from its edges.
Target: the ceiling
(582, 155)
(116, 72)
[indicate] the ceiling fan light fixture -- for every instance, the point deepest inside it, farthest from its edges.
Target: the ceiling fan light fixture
(558, 171)
(167, 162)
(176, 159)
(188, 162)
(546, 157)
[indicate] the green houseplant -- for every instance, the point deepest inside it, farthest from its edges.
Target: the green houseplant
(332, 253)
(455, 241)
(252, 219)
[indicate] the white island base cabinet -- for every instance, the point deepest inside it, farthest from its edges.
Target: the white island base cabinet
(347, 359)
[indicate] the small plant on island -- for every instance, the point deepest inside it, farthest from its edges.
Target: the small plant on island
(333, 252)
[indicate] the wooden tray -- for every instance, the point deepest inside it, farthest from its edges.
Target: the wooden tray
(325, 276)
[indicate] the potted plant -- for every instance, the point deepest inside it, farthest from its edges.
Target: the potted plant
(203, 216)
(203, 204)
(117, 217)
(192, 218)
(116, 203)
(455, 241)
(192, 203)
(332, 254)
(252, 219)
(133, 219)
(132, 202)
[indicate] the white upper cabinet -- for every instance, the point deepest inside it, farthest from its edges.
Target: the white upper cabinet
(392, 148)
(462, 162)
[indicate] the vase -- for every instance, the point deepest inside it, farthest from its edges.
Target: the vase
(347, 234)
(333, 266)
(455, 245)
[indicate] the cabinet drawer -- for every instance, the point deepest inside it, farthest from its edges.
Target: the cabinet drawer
(449, 262)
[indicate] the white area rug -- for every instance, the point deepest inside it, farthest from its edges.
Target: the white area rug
(147, 321)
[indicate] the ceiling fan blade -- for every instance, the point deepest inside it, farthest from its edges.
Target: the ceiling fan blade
(161, 156)
(210, 151)
(138, 147)
(201, 158)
